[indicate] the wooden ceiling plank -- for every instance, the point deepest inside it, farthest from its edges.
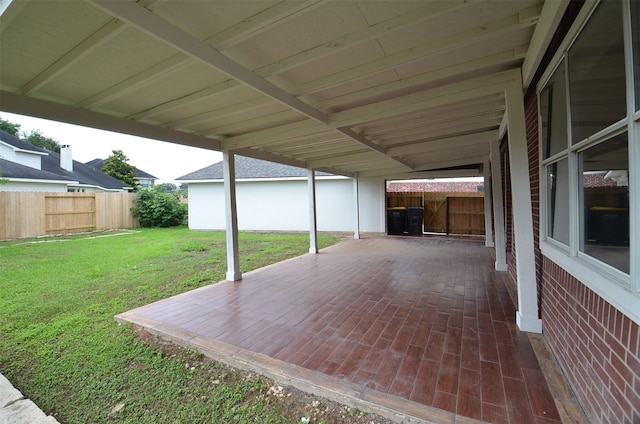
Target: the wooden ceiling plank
(147, 21)
(428, 99)
(480, 33)
(450, 71)
(146, 77)
(444, 143)
(427, 13)
(231, 110)
(107, 32)
(254, 25)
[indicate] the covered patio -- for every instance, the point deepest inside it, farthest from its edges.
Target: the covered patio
(416, 329)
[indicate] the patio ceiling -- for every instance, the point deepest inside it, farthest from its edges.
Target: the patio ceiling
(367, 88)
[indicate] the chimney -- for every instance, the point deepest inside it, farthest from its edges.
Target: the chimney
(66, 160)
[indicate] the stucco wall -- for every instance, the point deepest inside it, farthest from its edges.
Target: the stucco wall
(283, 205)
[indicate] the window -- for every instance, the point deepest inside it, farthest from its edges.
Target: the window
(588, 135)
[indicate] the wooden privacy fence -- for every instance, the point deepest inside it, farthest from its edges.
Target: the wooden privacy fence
(34, 214)
(449, 213)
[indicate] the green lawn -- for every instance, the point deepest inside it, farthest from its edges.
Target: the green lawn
(60, 345)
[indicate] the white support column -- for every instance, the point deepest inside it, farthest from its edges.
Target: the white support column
(527, 316)
(498, 207)
(233, 256)
(488, 227)
(356, 199)
(313, 227)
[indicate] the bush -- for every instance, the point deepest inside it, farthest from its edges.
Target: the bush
(156, 208)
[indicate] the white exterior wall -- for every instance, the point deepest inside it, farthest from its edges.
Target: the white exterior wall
(23, 186)
(7, 153)
(28, 159)
(372, 205)
(283, 205)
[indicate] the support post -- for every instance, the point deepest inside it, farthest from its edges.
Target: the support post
(313, 228)
(488, 228)
(498, 207)
(233, 256)
(527, 316)
(356, 199)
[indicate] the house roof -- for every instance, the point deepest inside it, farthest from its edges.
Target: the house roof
(247, 168)
(18, 144)
(99, 163)
(373, 88)
(15, 170)
(84, 174)
(51, 170)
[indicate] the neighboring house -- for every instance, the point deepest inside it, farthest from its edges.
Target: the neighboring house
(29, 168)
(144, 178)
(270, 196)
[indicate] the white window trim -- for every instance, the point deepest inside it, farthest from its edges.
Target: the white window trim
(616, 287)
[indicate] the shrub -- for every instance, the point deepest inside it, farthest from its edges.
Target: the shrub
(156, 208)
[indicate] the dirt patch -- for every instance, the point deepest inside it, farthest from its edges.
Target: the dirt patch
(293, 404)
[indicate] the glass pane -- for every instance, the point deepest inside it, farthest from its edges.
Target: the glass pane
(596, 73)
(605, 194)
(553, 113)
(635, 30)
(558, 196)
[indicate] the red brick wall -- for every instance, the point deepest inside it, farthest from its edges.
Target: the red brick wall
(597, 345)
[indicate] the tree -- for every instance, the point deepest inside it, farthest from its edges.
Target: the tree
(10, 127)
(117, 165)
(38, 139)
(168, 187)
(157, 208)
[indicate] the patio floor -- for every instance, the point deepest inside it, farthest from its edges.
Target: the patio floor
(408, 327)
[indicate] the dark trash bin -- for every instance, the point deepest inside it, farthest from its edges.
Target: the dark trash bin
(396, 221)
(415, 217)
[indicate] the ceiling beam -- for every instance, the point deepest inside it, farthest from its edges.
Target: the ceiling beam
(24, 105)
(443, 143)
(428, 99)
(550, 17)
(108, 31)
(507, 57)
(481, 32)
(430, 12)
(227, 38)
(147, 21)
(472, 160)
(445, 173)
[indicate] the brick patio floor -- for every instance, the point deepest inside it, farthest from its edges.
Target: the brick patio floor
(421, 327)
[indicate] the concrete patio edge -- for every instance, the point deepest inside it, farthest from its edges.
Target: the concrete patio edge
(352, 395)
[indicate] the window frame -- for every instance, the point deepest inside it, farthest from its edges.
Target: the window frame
(618, 288)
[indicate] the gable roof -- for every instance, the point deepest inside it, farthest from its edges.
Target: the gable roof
(247, 168)
(99, 163)
(15, 170)
(17, 144)
(51, 170)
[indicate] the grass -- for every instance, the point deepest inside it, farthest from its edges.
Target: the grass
(60, 345)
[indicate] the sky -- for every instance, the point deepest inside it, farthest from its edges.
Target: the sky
(164, 160)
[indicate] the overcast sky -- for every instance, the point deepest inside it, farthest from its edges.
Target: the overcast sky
(167, 161)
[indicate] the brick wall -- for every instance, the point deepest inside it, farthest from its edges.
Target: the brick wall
(597, 345)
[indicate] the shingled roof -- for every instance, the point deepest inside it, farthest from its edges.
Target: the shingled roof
(99, 163)
(249, 168)
(51, 170)
(15, 170)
